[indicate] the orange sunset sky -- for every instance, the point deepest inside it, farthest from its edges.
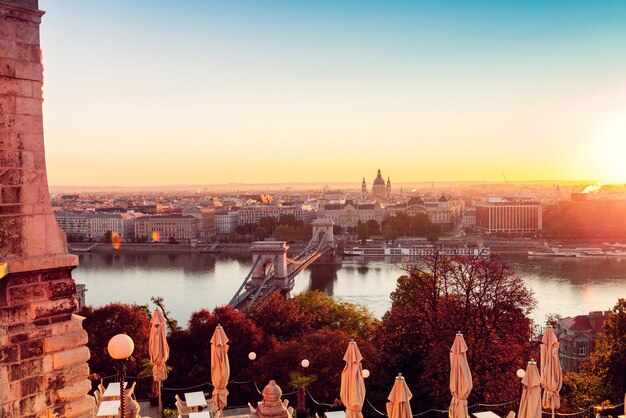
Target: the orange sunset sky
(159, 93)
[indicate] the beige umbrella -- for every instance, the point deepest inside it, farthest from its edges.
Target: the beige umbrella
(530, 404)
(352, 382)
(220, 367)
(398, 405)
(551, 374)
(460, 378)
(159, 350)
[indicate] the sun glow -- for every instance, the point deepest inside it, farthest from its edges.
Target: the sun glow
(611, 148)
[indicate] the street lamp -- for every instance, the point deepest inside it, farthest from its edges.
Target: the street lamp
(121, 347)
(366, 373)
(305, 363)
(252, 357)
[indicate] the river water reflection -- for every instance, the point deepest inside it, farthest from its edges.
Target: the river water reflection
(189, 282)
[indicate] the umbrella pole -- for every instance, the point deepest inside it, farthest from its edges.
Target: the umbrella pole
(553, 411)
(160, 407)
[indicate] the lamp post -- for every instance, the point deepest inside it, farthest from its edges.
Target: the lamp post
(121, 347)
(366, 373)
(252, 357)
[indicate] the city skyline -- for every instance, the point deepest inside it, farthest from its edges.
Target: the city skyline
(209, 93)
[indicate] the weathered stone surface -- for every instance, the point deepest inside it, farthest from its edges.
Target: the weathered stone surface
(65, 341)
(31, 349)
(26, 369)
(68, 358)
(37, 295)
(31, 386)
(53, 307)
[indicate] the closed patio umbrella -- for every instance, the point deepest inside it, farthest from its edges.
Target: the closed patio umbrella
(159, 350)
(530, 404)
(460, 378)
(398, 405)
(220, 367)
(551, 374)
(352, 382)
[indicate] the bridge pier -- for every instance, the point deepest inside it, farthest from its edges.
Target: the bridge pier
(268, 254)
(323, 231)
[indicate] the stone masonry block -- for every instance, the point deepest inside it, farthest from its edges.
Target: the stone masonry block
(31, 386)
(53, 307)
(10, 391)
(28, 293)
(64, 359)
(66, 341)
(25, 369)
(31, 349)
(32, 404)
(14, 314)
(62, 288)
(75, 390)
(27, 106)
(75, 324)
(81, 407)
(12, 87)
(7, 104)
(57, 379)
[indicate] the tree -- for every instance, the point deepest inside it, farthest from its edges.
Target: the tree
(269, 223)
(289, 220)
(373, 227)
(337, 230)
(330, 313)
(608, 361)
(108, 237)
(115, 318)
(284, 233)
(440, 296)
(260, 233)
(172, 240)
(285, 319)
(389, 233)
(362, 232)
(300, 383)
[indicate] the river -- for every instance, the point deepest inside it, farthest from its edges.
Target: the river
(190, 282)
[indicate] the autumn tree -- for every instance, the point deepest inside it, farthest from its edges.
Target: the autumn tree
(116, 318)
(608, 361)
(480, 297)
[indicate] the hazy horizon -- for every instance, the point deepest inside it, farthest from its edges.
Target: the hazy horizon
(201, 92)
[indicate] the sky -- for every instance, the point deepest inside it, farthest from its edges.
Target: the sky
(202, 92)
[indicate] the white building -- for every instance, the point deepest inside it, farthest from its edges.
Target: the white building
(252, 214)
(349, 213)
(226, 222)
(94, 226)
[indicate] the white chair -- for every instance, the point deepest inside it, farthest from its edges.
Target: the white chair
(98, 397)
(511, 414)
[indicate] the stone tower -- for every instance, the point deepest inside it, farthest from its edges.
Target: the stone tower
(363, 189)
(43, 369)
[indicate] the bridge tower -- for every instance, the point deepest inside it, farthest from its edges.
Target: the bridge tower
(269, 253)
(323, 230)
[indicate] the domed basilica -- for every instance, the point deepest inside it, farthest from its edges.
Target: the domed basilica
(380, 190)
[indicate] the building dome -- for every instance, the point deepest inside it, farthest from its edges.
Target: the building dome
(379, 181)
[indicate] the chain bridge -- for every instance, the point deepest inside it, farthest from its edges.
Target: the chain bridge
(272, 270)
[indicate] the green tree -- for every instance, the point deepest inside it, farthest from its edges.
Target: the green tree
(284, 233)
(362, 232)
(289, 220)
(260, 233)
(269, 223)
(300, 383)
(389, 232)
(329, 313)
(108, 237)
(373, 227)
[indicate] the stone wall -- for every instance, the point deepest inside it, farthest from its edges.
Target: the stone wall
(43, 369)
